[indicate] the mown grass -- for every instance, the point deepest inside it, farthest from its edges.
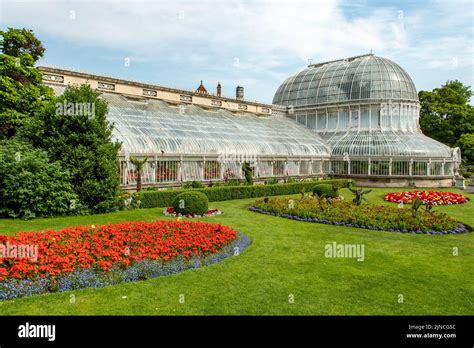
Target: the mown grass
(286, 260)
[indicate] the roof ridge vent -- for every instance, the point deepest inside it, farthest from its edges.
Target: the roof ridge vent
(348, 59)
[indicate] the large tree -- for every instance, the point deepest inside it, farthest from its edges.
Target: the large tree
(446, 113)
(74, 130)
(447, 116)
(21, 89)
(466, 144)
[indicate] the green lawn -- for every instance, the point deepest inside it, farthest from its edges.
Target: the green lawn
(286, 257)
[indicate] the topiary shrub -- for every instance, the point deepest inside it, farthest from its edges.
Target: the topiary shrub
(248, 173)
(328, 190)
(191, 202)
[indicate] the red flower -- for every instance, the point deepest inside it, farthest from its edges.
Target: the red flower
(103, 246)
(428, 197)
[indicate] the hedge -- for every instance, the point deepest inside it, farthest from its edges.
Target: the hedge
(164, 198)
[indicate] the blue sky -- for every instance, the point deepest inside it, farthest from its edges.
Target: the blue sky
(255, 44)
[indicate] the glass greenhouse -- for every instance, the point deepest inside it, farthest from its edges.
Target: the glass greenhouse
(354, 117)
(186, 142)
(366, 109)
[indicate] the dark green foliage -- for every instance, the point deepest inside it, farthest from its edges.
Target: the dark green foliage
(446, 114)
(328, 190)
(31, 186)
(21, 89)
(193, 184)
(82, 143)
(466, 144)
(163, 198)
(16, 42)
(197, 184)
(248, 173)
(191, 202)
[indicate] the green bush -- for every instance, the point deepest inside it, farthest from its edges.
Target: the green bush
(197, 184)
(325, 189)
(164, 198)
(193, 184)
(191, 202)
(31, 186)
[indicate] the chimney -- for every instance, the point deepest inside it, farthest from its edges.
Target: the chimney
(239, 93)
(219, 89)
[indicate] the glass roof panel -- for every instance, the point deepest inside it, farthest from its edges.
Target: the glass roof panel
(364, 77)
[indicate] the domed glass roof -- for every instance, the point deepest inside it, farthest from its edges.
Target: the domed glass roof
(366, 77)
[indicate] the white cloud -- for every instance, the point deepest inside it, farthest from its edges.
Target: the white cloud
(301, 29)
(262, 35)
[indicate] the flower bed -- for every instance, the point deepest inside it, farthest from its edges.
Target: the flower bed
(427, 197)
(211, 212)
(373, 217)
(89, 256)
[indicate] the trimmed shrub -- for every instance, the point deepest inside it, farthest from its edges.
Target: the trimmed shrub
(327, 190)
(191, 202)
(164, 198)
(193, 184)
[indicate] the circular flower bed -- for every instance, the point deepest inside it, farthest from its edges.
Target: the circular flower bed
(368, 216)
(90, 256)
(427, 197)
(171, 212)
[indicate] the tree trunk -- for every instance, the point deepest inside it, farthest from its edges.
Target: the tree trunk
(139, 181)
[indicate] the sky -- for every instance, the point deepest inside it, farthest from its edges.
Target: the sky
(256, 44)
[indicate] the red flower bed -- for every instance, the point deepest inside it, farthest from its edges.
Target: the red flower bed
(428, 197)
(111, 245)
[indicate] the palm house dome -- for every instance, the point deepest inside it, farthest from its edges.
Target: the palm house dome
(366, 77)
(366, 109)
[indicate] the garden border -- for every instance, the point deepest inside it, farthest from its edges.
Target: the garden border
(143, 270)
(462, 228)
